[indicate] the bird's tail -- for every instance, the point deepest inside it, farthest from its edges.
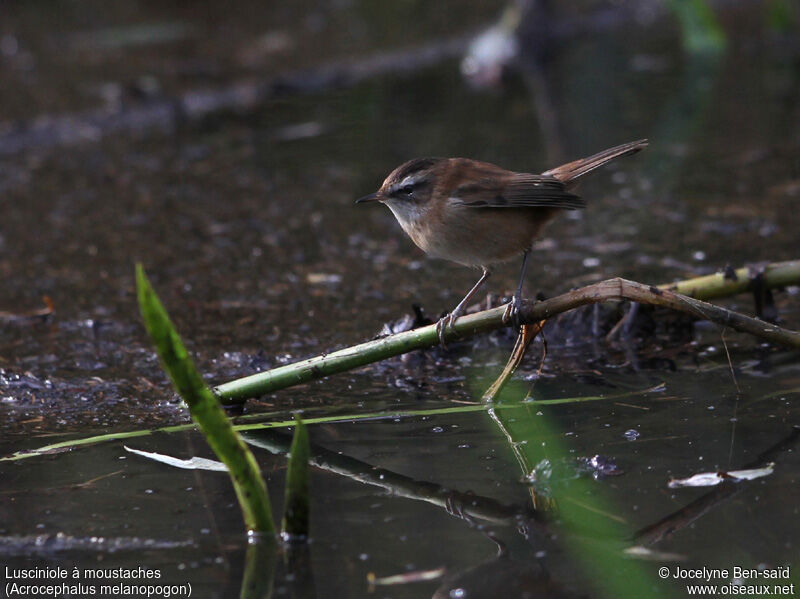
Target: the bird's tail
(572, 170)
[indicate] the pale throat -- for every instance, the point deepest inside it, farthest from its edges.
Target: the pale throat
(411, 217)
(407, 213)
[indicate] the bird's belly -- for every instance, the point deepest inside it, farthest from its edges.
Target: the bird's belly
(481, 237)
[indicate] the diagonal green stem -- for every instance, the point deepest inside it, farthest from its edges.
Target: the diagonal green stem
(250, 487)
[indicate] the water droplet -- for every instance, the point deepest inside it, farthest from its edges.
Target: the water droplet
(591, 262)
(632, 434)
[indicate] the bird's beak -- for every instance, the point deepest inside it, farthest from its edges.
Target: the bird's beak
(373, 197)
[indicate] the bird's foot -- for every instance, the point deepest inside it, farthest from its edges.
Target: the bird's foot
(446, 325)
(512, 312)
(454, 504)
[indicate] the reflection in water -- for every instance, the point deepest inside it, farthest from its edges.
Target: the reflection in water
(259, 570)
(299, 571)
(469, 505)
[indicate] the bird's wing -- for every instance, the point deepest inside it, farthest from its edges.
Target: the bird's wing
(517, 190)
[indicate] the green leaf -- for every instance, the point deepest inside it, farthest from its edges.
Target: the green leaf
(250, 487)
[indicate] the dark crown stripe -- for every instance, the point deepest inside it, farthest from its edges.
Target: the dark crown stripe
(414, 166)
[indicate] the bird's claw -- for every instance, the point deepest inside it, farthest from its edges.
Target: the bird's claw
(445, 325)
(454, 505)
(511, 313)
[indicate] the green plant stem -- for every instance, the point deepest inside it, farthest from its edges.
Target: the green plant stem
(776, 275)
(250, 487)
(65, 446)
(779, 274)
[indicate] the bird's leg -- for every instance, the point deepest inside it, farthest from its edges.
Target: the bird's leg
(449, 320)
(512, 310)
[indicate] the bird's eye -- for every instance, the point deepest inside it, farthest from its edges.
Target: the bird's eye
(407, 190)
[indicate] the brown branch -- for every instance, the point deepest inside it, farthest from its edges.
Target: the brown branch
(472, 324)
(620, 289)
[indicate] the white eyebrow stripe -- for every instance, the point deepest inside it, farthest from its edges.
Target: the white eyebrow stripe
(412, 180)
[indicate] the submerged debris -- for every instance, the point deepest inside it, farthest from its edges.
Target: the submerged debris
(407, 577)
(646, 553)
(47, 544)
(710, 479)
(548, 472)
(599, 466)
(30, 316)
(194, 463)
(407, 322)
(501, 577)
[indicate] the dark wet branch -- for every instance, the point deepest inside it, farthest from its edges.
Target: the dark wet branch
(466, 504)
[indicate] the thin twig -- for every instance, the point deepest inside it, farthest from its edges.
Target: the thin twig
(527, 333)
(540, 370)
(730, 362)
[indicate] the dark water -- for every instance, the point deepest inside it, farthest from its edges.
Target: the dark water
(246, 226)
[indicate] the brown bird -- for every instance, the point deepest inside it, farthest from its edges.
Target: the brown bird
(478, 214)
